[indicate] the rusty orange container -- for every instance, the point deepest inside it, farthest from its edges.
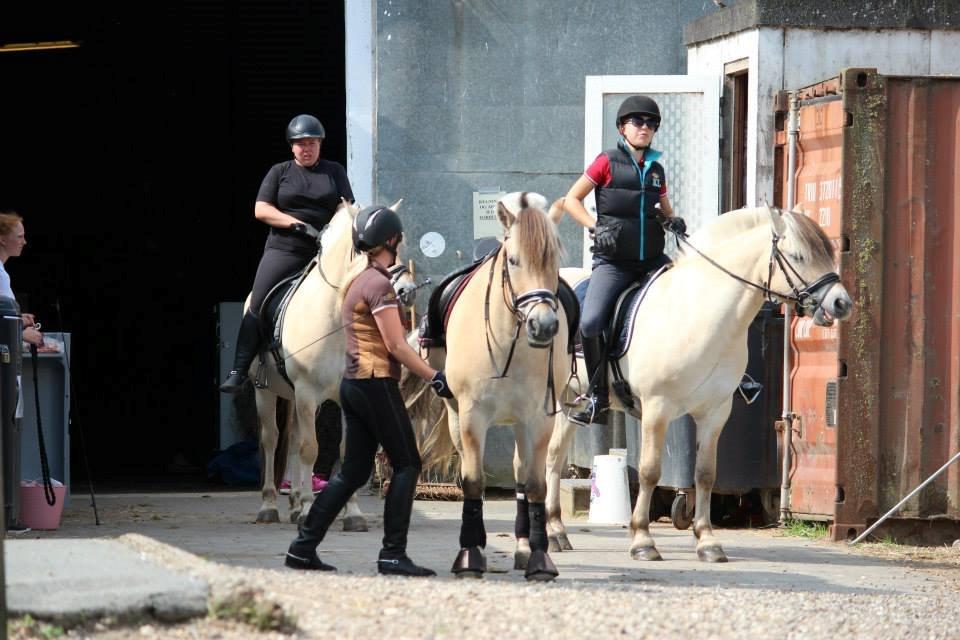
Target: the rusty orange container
(878, 396)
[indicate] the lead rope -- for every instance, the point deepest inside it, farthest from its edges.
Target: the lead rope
(48, 492)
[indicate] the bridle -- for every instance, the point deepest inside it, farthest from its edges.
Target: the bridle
(520, 307)
(804, 299)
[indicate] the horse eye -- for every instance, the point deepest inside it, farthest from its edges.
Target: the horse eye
(514, 261)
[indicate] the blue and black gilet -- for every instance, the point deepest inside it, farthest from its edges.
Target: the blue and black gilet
(627, 206)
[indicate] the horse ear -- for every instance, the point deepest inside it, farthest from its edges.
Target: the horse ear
(797, 208)
(776, 218)
(556, 210)
(396, 205)
(504, 216)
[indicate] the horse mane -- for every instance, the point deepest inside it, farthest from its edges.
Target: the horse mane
(537, 240)
(804, 235)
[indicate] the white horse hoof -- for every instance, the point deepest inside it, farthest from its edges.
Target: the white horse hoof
(355, 523)
(711, 554)
(268, 516)
(520, 559)
(645, 553)
(563, 542)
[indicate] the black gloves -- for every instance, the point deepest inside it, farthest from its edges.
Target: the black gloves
(675, 224)
(605, 242)
(439, 384)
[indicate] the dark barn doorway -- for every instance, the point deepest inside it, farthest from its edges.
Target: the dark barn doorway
(135, 159)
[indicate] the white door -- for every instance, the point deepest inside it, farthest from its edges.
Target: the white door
(689, 137)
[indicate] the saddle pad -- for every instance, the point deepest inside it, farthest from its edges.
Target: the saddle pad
(624, 313)
(275, 304)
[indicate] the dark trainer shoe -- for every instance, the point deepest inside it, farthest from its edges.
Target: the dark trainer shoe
(307, 562)
(592, 413)
(233, 383)
(403, 566)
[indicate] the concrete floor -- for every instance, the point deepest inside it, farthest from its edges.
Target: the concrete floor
(220, 526)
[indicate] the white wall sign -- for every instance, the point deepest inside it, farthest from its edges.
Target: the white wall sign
(485, 223)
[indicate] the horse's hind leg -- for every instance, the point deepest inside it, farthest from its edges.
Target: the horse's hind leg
(269, 435)
(304, 438)
(654, 428)
(470, 561)
(521, 555)
(709, 427)
(563, 432)
(540, 567)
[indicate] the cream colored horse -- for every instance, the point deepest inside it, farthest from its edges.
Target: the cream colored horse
(313, 351)
(505, 336)
(689, 348)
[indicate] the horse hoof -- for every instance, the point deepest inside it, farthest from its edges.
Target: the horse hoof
(564, 542)
(540, 567)
(711, 554)
(355, 523)
(471, 562)
(268, 516)
(521, 559)
(645, 553)
(469, 575)
(295, 517)
(553, 545)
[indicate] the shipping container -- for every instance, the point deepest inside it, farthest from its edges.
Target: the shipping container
(877, 398)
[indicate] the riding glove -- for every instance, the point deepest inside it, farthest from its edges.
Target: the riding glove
(605, 242)
(440, 386)
(676, 224)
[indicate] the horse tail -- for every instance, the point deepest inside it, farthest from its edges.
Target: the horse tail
(428, 414)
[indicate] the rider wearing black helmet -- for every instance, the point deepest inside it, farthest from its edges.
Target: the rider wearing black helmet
(371, 401)
(632, 210)
(304, 189)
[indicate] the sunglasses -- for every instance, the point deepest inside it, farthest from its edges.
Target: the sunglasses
(639, 121)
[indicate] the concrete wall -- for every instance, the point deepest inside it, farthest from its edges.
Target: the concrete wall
(786, 59)
(476, 94)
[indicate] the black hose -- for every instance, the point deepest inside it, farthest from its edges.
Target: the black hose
(48, 492)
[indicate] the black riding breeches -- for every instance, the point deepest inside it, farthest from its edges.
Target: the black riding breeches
(275, 265)
(375, 415)
(607, 281)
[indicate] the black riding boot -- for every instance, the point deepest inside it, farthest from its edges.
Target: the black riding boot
(393, 558)
(248, 343)
(302, 553)
(597, 404)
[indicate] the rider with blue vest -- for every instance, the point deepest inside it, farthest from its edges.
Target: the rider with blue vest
(628, 234)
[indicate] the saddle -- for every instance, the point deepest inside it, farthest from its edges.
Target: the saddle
(619, 333)
(433, 325)
(272, 313)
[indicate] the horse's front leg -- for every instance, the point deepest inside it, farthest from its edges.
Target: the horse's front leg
(470, 561)
(269, 436)
(709, 427)
(539, 567)
(560, 439)
(654, 430)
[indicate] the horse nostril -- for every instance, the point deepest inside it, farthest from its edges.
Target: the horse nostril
(841, 307)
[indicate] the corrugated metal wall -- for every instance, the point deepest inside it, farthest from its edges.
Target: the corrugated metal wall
(890, 375)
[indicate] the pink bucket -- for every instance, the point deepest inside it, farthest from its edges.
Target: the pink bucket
(34, 510)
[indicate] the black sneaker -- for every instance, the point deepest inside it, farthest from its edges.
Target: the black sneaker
(402, 566)
(307, 562)
(592, 413)
(18, 527)
(234, 382)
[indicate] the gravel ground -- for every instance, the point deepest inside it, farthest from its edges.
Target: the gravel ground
(298, 605)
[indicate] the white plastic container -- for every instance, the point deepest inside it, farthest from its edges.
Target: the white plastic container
(609, 491)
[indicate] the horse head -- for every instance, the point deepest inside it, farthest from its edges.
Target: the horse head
(806, 259)
(531, 249)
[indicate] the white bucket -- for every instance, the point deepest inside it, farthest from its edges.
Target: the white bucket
(609, 491)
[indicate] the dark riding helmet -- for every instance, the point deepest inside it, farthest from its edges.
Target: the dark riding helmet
(375, 225)
(637, 104)
(304, 126)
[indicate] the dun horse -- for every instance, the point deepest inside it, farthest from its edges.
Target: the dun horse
(500, 377)
(313, 354)
(689, 347)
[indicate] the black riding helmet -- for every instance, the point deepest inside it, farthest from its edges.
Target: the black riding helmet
(638, 104)
(304, 126)
(375, 225)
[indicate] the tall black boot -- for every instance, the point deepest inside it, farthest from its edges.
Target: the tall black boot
(598, 403)
(302, 553)
(248, 343)
(393, 558)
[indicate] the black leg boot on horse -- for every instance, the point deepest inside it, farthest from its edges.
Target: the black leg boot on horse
(470, 562)
(597, 404)
(248, 344)
(393, 558)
